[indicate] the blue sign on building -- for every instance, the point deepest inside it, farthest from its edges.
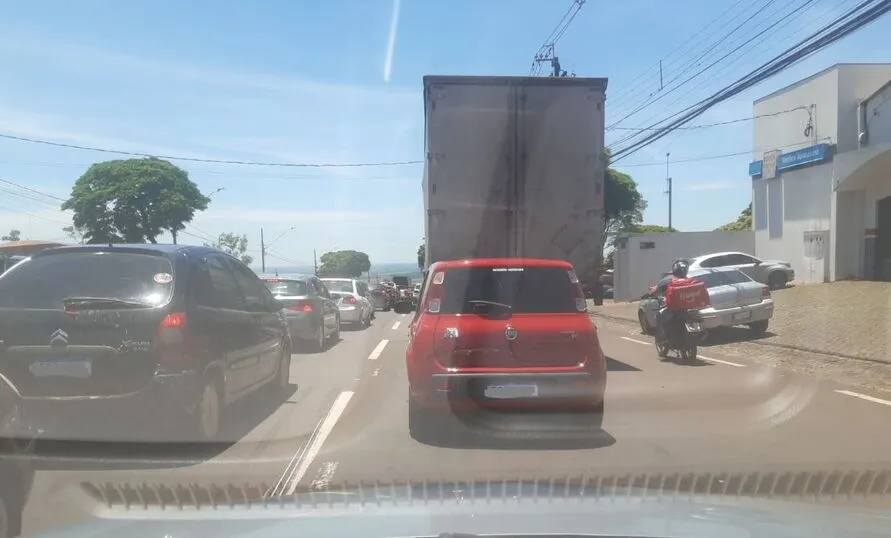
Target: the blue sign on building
(794, 159)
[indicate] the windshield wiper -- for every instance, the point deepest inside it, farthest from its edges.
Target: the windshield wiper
(74, 303)
(481, 302)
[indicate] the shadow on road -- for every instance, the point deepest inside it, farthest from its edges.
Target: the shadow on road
(613, 365)
(241, 418)
(730, 335)
(467, 437)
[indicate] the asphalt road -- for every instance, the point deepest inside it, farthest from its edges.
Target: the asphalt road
(347, 422)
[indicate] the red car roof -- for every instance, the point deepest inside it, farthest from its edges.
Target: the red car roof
(501, 262)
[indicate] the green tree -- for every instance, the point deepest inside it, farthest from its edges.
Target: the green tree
(76, 235)
(13, 235)
(234, 245)
(623, 205)
(344, 263)
(650, 229)
(133, 200)
(742, 223)
(422, 256)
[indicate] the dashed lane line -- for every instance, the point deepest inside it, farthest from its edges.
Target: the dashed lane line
(701, 357)
(396, 325)
(376, 352)
(864, 397)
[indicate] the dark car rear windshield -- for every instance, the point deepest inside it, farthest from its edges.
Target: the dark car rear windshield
(287, 287)
(528, 290)
(45, 281)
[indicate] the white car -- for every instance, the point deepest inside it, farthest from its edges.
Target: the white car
(354, 302)
(735, 299)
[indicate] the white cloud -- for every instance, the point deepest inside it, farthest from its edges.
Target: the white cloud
(104, 61)
(391, 42)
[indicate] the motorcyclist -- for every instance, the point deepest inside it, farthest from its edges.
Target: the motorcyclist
(665, 316)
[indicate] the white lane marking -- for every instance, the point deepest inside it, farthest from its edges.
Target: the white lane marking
(636, 341)
(376, 353)
(719, 361)
(403, 315)
(703, 357)
(864, 397)
(324, 476)
(334, 414)
(396, 325)
(280, 484)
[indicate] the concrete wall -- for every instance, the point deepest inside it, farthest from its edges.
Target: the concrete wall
(642, 259)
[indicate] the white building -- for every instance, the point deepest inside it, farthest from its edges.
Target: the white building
(821, 178)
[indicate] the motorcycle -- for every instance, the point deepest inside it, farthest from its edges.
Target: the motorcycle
(683, 334)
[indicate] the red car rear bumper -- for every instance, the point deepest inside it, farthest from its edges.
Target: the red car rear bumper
(467, 392)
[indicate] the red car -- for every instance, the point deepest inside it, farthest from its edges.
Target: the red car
(508, 334)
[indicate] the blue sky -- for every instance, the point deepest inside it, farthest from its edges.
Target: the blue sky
(339, 82)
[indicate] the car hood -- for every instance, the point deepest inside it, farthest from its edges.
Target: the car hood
(488, 508)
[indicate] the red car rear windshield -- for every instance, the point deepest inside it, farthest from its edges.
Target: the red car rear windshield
(528, 290)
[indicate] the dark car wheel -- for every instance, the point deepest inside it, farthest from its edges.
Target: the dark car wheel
(283, 378)
(335, 336)
(776, 281)
(206, 417)
(759, 327)
(422, 424)
(10, 512)
(318, 342)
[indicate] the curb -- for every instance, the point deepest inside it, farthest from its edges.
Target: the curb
(769, 344)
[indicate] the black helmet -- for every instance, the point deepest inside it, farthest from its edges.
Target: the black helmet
(679, 268)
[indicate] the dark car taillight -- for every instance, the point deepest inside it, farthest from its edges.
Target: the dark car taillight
(301, 306)
(173, 340)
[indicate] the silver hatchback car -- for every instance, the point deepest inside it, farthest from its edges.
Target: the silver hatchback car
(735, 299)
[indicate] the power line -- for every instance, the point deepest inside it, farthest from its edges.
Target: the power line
(758, 35)
(713, 157)
(851, 21)
(711, 48)
(200, 160)
(769, 40)
(716, 124)
(710, 25)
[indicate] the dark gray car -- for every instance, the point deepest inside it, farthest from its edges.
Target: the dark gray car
(312, 314)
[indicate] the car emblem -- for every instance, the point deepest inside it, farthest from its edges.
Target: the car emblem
(510, 333)
(59, 338)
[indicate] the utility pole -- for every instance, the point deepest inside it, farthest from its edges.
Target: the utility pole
(262, 252)
(173, 234)
(315, 263)
(668, 192)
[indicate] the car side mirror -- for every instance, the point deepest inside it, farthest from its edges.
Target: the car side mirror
(757, 262)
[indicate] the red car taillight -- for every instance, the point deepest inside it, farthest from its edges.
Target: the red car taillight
(349, 299)
(302, 306)
(174, 343)
(765, 293)
(581, 303)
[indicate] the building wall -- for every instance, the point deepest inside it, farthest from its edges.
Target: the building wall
(642, 259)
(788, 209)
(856, 83)
(878, 117)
